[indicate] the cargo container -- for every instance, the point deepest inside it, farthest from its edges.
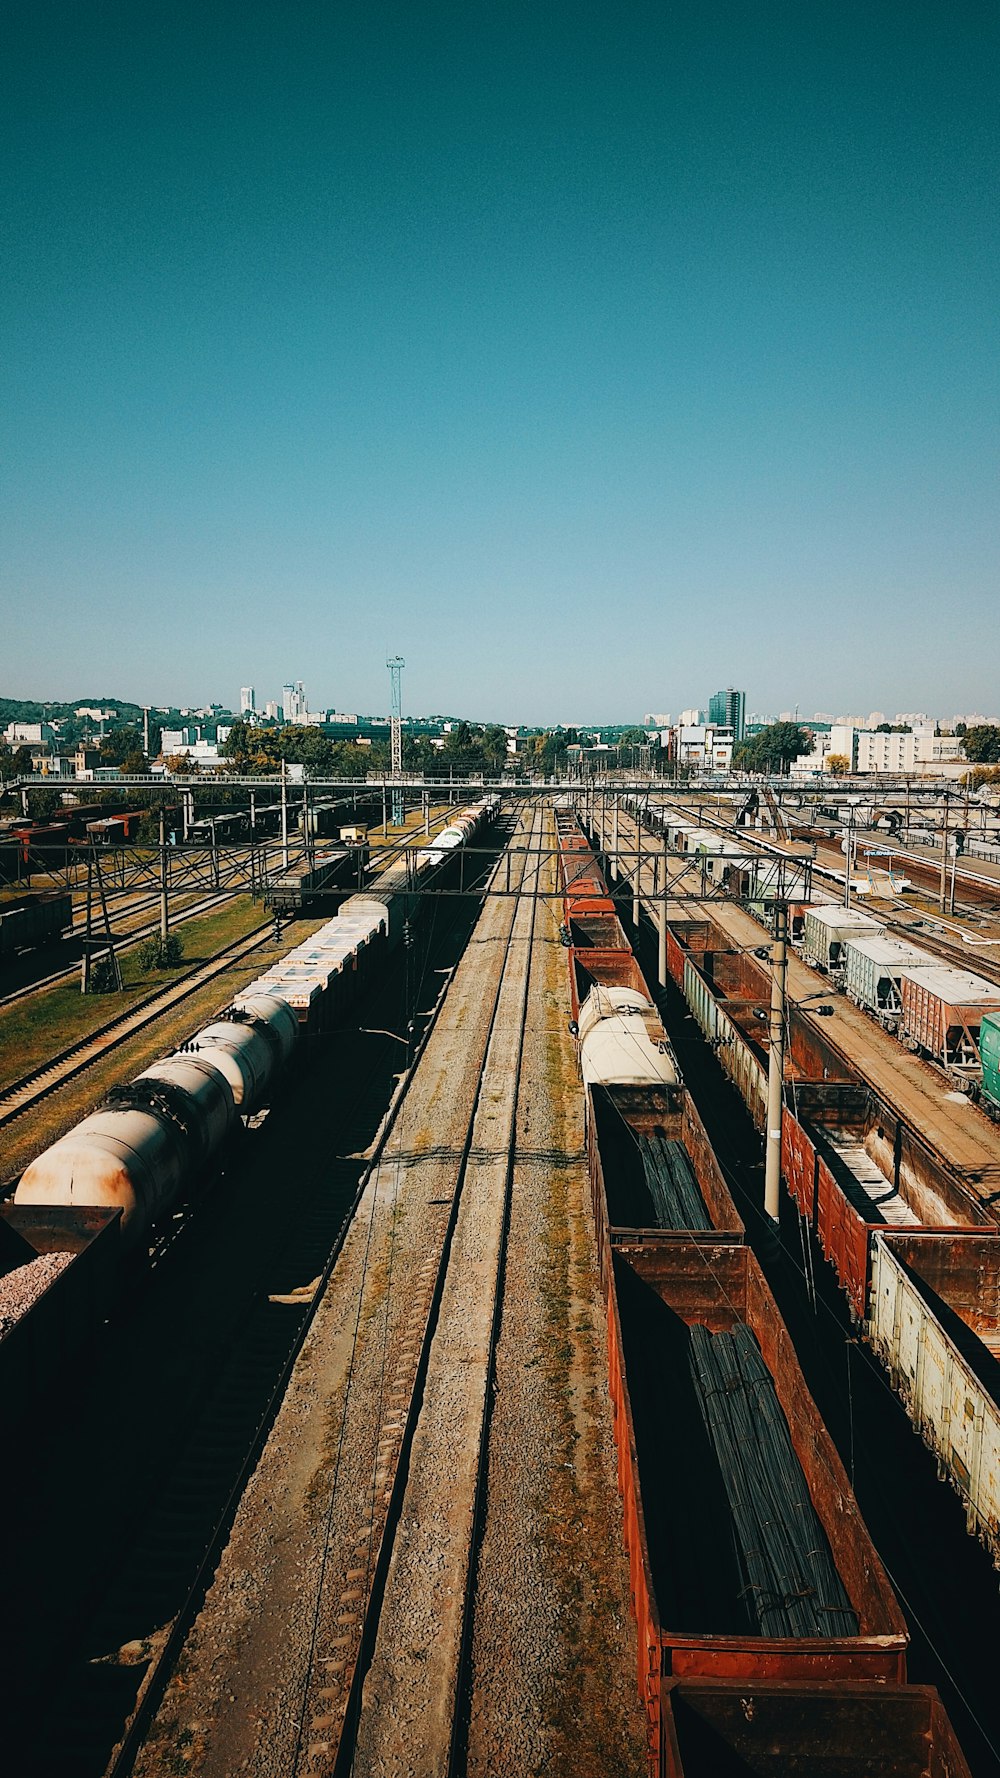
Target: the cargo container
(46, 1342)
(855, 1167)
(299, 887)
(827, 929)
(33, 920)
(872, 968)
(941, 1014)
(713, 1729)
(705, 1623)
(989, 1056)
(620, 1121)
(10, 860)
(934, 1320)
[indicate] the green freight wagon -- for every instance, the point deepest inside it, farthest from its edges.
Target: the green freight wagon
(989, 1053)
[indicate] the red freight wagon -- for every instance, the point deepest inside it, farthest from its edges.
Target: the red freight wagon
(942, 1012)
(857, 1731)
(660, 1293)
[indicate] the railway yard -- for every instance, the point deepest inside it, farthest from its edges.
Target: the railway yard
(402, 1374)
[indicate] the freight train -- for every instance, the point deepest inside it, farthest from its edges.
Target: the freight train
(33, 920)
(769, 1634)
(912, 1235)
(108, 1183)
(935, 1010)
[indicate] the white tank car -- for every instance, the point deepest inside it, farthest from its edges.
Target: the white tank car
(622, 1040)
(200, 1097)
(250, 1047)
(140, 1151)
(128, 1159)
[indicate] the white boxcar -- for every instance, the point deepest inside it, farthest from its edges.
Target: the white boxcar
(873, 966)
(933, 1314)
(827, 930)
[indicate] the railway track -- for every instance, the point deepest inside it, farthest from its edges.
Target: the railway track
(403, 1242)
(406, 1698)
(35, 1086)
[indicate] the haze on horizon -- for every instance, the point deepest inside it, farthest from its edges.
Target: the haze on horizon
(591, 361)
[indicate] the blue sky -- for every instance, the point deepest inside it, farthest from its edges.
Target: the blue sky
(589, 357)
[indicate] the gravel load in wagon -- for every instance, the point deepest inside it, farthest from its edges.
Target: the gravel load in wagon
(21, 1289)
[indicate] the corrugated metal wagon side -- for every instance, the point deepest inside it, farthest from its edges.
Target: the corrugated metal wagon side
(934, 1320)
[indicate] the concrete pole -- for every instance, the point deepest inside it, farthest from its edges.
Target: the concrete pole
(85, 959)
(425, 795)
(164, 904)
(661, 929)
(284, 816)
(944, 859)
(615, 871)
(384, 815)
(776, 1062)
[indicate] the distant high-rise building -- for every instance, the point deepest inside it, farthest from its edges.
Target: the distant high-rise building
(272, 709)
(728, 709)
(248, 700)
(293, 701)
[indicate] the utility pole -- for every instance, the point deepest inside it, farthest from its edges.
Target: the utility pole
(850, 851)
(145, 733)
(776, 1062)
(284, 815)
(944, 859)
(615, 871)
(164, 907)
(395, 664)
(308, 838)
(661, 927)
(85, 960)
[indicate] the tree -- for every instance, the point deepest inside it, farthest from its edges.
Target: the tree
(43, 802)
(495, 746)
(838, 764)
(774, 748)
(982, 744)
(118, 745)
(982, 775)
(15, 762)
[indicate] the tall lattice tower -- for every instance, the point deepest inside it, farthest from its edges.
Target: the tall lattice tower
(395, 664)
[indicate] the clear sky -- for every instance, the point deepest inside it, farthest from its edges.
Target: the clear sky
(589, 356)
